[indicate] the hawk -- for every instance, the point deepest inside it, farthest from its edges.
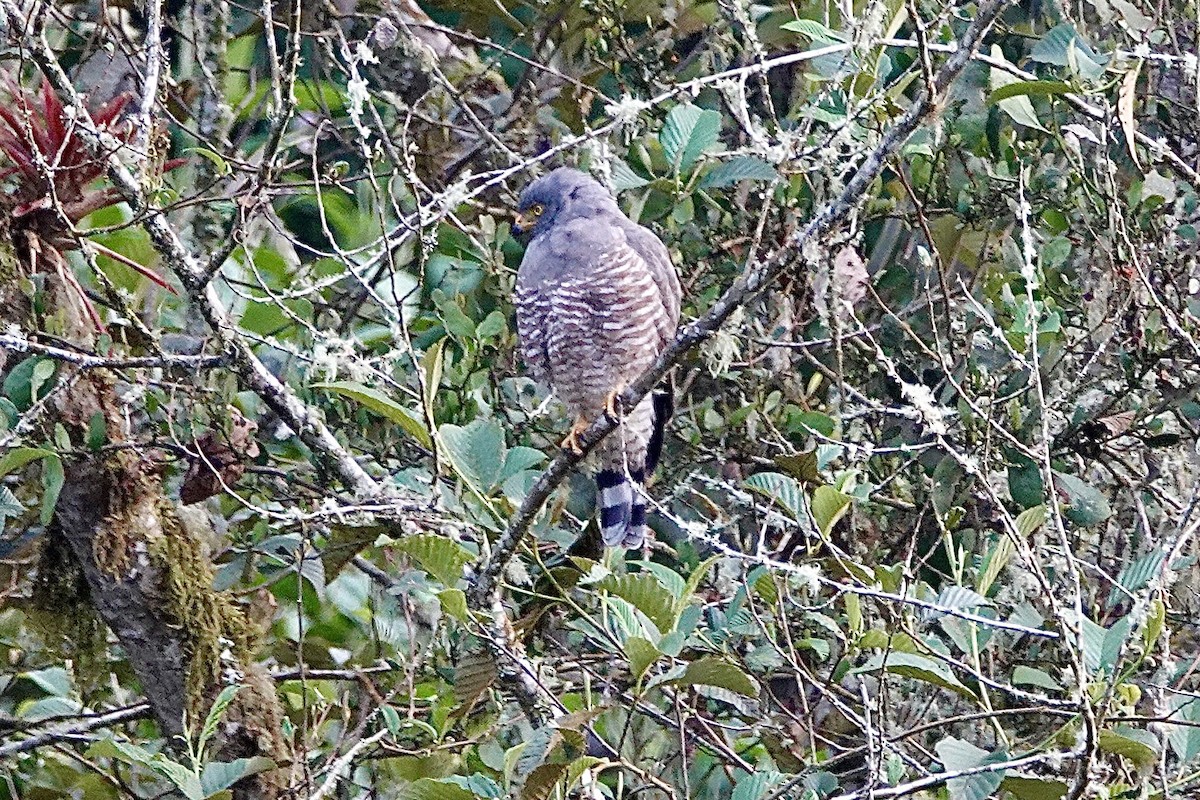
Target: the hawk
(597, 300)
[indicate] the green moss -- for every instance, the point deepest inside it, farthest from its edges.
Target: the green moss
(62, 610)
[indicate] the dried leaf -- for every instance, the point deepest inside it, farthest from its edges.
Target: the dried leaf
(222, 459)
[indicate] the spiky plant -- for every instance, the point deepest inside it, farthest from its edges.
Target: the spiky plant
(57, 179)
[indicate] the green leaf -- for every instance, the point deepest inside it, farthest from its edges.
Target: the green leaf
(493, 325)
(743, 168)
(755, 786)
(436, 789)
(689, 132)
(1184, 739)
(9, 505)
(996, 560)
(441, 557)
(957, 755)
(20, 456)
(1023, 787)
(1137, 575)
(409, 421)
(43, 371)
(1018, 87)
(1031, 519)
(220, 775)
(624, 178)
(780, 489)
(642, 654)
(1063, 47)
(813, 30)
(52, 483)
(644, 592)
(916, 666)
(1087, 505)
(1138, 746)
(477, 784)
(215, 713)
(1018, 106)
(715, 671)
(454, 603)
(476, 452)
(474, 674)
(828, 506)
(1028, 676)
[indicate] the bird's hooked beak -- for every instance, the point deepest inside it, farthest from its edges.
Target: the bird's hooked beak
(523, 222)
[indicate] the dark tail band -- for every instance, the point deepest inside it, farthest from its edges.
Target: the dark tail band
(622, 508)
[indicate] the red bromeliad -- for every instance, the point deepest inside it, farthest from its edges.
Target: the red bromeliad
(55, 170)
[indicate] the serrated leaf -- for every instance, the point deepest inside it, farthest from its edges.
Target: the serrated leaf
(646, 594)
(442, 558)
(688, 132)
(918, 667)
(474, 674)
(476, 452)
(624, 178)
(802, 466)
(997, 559)
(1137, 575)
(956, 597)
(1031, 519)
(541, 782)
(215, 713)
(409, 421)
(715, 671)
(1140, 747)
(220, 775)
(754, 786)
(641, 653)
(828, 506)
(780, 489)
(743, 168)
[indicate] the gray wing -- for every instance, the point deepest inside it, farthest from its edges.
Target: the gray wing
(658, 260)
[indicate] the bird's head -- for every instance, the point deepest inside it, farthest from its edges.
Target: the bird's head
(558, 196)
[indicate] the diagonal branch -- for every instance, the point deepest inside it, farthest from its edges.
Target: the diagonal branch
(743, 291)
(193, 273)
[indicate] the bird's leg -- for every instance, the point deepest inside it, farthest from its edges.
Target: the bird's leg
(571, 442)
(612, 405)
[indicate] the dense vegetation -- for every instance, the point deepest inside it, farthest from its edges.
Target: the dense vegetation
(281, 516)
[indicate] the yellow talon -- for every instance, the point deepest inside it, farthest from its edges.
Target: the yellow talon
(571, 442)
(612, 405)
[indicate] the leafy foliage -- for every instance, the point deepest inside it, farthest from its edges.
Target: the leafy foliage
(925, 515)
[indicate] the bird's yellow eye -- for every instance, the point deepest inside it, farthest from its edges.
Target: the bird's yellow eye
(536, 209)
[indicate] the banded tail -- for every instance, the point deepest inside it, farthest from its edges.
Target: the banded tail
(620, 496)
(622, 507)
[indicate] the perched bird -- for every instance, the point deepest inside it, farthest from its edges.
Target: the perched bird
(597, 300)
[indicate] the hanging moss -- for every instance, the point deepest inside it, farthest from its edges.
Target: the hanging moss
(62, 610)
